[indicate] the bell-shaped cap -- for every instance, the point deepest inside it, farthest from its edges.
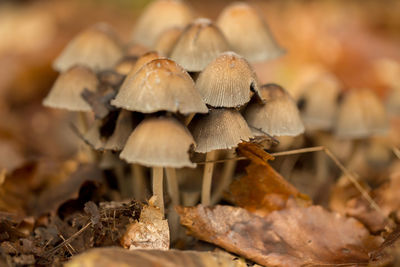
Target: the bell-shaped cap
(361, 114)
(66, 92)
(219, 129)
(136, 50)
(199, 44)
(159, 142)
(278, 116)
(97, 48)
(160, 85)
(159, 16)
(228, 81)
(144, 59)
(247, 33)
(167, 40)
(125, 65)
(320, 102)
(123, 128)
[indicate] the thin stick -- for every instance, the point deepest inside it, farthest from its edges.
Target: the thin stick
(207, 178)
(396, 151)
(138, 181)
(189, 118)
(226, 178)
(158, 187)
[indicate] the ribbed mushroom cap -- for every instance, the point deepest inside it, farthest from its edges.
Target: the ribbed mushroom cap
(67, 89)
(167, 40)
(144, 59)
(321, 102)
(96, 48)
(219, 129)
(361, 114)
(279, 115)
(160, 85)
(123, 128)
(125, 65)
(159, 16)
(393, 101)
(199, 44)
(228, 81)
(247, 33)
(162, 142)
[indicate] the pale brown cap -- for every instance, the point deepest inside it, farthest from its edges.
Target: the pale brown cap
(228, 81)
(125, 65)
(162, 142)
(159, 16)
(219, 129)
(247, 33)
(123, 128)
(361, 114)
(66, 92)
(167, 40)
(199, 44)
(160, 85)
(136, 50)
(96, 48)
(279, 115)
(144, 59)
(320, 102)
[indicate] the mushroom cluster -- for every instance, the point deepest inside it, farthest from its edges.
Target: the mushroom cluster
(184, 86)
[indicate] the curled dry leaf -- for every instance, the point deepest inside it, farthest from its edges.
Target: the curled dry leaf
(263, 189)
(388, 253)
(295, 236)
(116, 257)
(150, 232)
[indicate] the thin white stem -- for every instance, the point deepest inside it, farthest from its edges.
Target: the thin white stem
(173, 191)
(207, 178)
(226, 177)
(158, 187)
(138, 182)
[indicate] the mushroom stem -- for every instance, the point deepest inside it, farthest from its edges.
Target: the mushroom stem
(207, 178)
(138, 181)
(173, 191)
(83, 122)
(158, 187)
(119, 174)
(226, 178)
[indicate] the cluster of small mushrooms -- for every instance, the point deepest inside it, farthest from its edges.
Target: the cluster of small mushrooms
(185, 87)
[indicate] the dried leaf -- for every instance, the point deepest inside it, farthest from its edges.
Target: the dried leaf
(254, 152)
(295, 236)
(387, 251)
(116, 257)
(150, 232)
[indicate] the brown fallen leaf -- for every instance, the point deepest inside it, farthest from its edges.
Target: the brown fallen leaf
(150, 232)
(296, 236)
(388, 253)
(263, 189)
(117, 257)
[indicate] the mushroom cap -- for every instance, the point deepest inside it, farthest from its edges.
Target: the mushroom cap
(199, 44)
(159, 142)
(393, 101)
(160, 85)
(219, 129)
(228, 81)
(123, 128)
(97, 48)
(159, 16)
(279, 115)
(136, 50)
(321, 102)
(361, 114)
(125, 65)
(247, 33)
(167, 40)
(144, 59)
(67, 89)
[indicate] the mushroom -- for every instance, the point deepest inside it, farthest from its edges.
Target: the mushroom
(219, 129)
(125, 65)
(159, 143)
(167, 40)
(97, 48)
(247, 33)
(160, 85)
(144, 59)
(319, 102)
(278, 116)
(159, 16)
(228, 81)
(199, 44)
(361, 114)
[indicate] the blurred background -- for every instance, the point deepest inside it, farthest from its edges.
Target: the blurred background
(358, 41)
